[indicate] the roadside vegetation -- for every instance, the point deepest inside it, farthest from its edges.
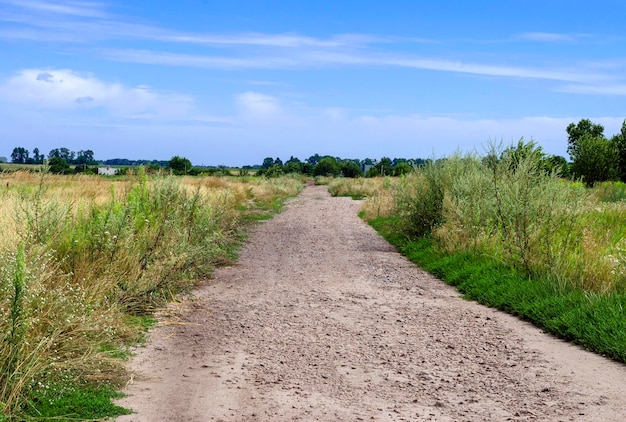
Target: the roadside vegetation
(512, 233)
(85, 261)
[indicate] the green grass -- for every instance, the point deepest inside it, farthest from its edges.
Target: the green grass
(60, 403)
(593, 321)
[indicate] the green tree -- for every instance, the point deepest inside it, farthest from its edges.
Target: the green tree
(179, 165)
(85, 157)
(38, 158)
(64, 153)
(575, 133)
(559, 164)
(384, 166)
(274, 171)
(19, 155)
(327, 166)
(350, 169)
(619, 141)
(58, 165)
(401, 169)
(267, 162)
(292, 167)
(307, 168)
(373, 172)
(314, 159)
(596, 159)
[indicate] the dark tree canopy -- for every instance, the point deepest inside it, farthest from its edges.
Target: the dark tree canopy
(384, 166)
(576, 131)
(85, 157)
(58, 165)
(179, 165)
(267, 162)
(620, 144)
(596, 159)
(350, 169)
(327, 166)
(19, 155)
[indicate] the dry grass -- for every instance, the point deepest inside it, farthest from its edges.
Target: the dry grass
(379, 193)
(95, 250)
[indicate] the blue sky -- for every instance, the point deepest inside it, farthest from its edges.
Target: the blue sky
(233, 82)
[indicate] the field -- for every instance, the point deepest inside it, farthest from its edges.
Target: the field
(85, 260)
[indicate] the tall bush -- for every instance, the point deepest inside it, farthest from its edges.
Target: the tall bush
(420, 200)
(505, 205)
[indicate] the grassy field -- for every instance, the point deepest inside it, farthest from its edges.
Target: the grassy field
(514, 237)
(84, 261)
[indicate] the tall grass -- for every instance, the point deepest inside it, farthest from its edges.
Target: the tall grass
(506, 206)
(512, 210)
(82, 256)
(510, 235)
(379, 193)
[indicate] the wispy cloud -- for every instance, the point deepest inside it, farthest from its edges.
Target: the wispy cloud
(266, 40)
(201, 61)
(62, 21)
(551, 37)
(67, 8)
(565, 74)
(609, 89)
(316, 58)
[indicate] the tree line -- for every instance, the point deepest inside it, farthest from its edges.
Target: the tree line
(318, 165)
(593, 158)
(21, 155)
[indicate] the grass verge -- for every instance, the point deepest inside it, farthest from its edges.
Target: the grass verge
(591, 320)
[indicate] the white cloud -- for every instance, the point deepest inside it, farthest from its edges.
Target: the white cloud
(257, 105)
(307, 59)
(608, 89)
(67, 8)
(200, 61)
(548, 37)
(266, 40)
(67, 90)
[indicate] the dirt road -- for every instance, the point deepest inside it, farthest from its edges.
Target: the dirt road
(322, 320)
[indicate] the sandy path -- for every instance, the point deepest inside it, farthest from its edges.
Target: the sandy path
(322, 320)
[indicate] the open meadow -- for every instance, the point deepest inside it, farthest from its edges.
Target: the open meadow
(85, 260)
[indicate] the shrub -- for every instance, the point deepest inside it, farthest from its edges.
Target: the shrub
(507, 206)
(350, 169)
(420, 201)
(327, 166)
(58, 165)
